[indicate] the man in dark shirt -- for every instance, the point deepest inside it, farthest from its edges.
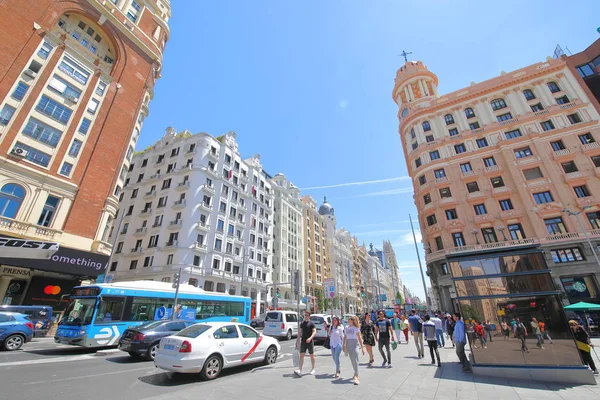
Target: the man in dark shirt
(383, 329)
(305, 337)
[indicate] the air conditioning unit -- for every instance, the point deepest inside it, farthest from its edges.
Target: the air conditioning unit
(19, 152)
(30, 73)
(72, 99)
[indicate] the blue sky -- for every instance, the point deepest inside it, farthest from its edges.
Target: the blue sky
(307, 85)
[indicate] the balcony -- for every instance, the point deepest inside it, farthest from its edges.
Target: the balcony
(468, 174)
(211, 172)
(203, 226)
(500, 190)
(184, 169)
(213, 155)
(527, 160)
(491, 169)
(137, 251)
(242, 208)
(150, 194)
(561, 153)
(189, 151)
(240, 223)
(591, 146)
(510, 214)
(208, 189)
(172, 243)
(205, 206)
(200, 247)
(573, 175)
(446, 200)
(483, 218)
(441, 179)
(475, 195)
(140, 232)
(508, 244)
(146, 211)
(587, 201)
(154, 177)
(30, 230)
(244, 178)
(175, 223)
(183, 185)
(179, 204)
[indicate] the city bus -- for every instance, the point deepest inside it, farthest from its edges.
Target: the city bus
(98, 314)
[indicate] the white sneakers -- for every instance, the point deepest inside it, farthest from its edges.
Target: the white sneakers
(299, 373)
(312, 372)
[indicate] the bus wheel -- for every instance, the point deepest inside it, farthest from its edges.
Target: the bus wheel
(212, 368)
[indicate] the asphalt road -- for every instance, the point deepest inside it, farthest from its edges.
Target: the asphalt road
(43, 369)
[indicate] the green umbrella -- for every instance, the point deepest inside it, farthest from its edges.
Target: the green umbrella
(583, 306)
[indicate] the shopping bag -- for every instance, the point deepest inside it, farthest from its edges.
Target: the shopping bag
(296, 358)
(394, 345)
(583, 346)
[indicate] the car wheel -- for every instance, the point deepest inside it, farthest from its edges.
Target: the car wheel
(151, 353)
(212, 368)
(271, 356)
(289, 335)
(13, 342)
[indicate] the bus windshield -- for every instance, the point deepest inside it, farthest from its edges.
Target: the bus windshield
(79, 312)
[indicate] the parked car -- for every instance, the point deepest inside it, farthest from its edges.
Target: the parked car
(321, 321)
(281, 324)
(15, 330)
(143, 340)
(258, 322)
(207, 348)
(41, 316)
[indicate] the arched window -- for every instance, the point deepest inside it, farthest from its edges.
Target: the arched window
(426, 126)
(11, 197)
(553, 86)
(528, 94)
(497, 104)
(449, 119)
(469, 113)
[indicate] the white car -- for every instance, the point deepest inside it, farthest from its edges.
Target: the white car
(322, 322)
(207, 348)
(281, 324)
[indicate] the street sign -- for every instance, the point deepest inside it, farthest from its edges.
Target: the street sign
(329, 286)
(275, 301)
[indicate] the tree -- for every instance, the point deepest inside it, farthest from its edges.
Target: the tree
(470, 312)
(319, 296)
(399, 299)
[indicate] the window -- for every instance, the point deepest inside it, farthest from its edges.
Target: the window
(560, 256)
(48, 211)
(220, 225)
(216, 263)
(469, 113)
(34, 155)
(581, 191)
(154, 239)
(489, 235)
(427, 198)
(458, 239)
(438, 243)
(93, 106)
(101, 88)
(429, 138)
(415, 145)
(506, 205)
(422, 180)
(439, 173)
(418, 162)
(119, 247)
(132, 12)
(594, 219)
(497, 182)
(45, 50)
(133, 264)
(482, 142)
(148, 261)
(431, 220)
(553, 87)
(596, 161)
(504, 117)
(41, 132)
(574, 118)
(586, 138)
(543, 197)
(434, 155)
(547, 125)
(426, 126)
(65, 89)
(466, 167)
(474, 126)
(533, 173)
(6, 114)
(557, 145)
(20, 91)
(528, 94)
(445, 192)
(170, 258)
(512, 134)
(85, 126)
(562, 100)
(523, 153)
(516, 232)
(54, 110)
(498, 104)
(569, 167)
(66, 169)
(585, 70)
(75, 147)
(472, 187)
(449, 119)
(460, 148)
(555, 226)
(480, 209)
(218, 244)
(489, 162)
(453, 132)
(451, 214)
(11, 197)
(412, 133)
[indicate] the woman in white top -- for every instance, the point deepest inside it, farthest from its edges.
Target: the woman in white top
(352, 340)
(336, 340)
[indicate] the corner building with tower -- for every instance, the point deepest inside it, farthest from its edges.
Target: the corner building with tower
(506, 182)
(76, 79)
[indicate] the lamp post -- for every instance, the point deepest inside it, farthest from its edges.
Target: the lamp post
(587, 238)
(419, 259)
(501, 229)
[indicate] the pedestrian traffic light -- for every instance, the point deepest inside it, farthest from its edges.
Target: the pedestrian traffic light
(277, 294)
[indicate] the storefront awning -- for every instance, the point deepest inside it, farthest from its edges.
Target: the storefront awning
(12, 247)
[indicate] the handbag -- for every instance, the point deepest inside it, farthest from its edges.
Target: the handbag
(394, 345)
(583, 346)
(327, 343)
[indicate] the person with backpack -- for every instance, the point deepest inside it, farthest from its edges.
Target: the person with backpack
(430, 333)
(416, 327)
(521, 334)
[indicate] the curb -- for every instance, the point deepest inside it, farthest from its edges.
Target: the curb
(104, 353)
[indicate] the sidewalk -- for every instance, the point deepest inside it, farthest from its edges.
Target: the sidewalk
(410, 378)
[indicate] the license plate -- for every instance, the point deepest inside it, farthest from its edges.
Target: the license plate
(63, 341)
(272, 325)
(169, 347)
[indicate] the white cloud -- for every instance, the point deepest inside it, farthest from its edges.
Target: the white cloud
(389, 192)
(399, 178)
(343, 103)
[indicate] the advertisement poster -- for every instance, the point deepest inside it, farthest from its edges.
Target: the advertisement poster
(187, 314)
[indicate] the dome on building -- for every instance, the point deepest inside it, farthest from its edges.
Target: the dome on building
(414, 82)
(326, 208)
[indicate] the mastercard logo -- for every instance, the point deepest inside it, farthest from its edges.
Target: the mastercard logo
(51, 289)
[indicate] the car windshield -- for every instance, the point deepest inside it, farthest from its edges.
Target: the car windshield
(316, 319)
(193, 331)
(79, 312)
(273, 316)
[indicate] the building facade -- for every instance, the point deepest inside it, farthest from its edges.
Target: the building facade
(391, 263)
(191, 202)
(76, 79)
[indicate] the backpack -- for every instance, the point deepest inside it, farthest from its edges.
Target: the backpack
(520, 329)
(420, 326)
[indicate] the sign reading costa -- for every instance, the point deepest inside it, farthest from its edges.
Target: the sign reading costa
(25, 248)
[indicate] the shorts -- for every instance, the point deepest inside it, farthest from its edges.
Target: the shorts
(307, 346)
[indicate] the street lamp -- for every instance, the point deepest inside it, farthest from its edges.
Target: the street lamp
(587, 238)
(501, 229)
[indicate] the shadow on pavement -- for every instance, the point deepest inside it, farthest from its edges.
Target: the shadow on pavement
(63, 351)
(169, 379)
(127, 360)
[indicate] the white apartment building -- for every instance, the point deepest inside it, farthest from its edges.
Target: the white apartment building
(381, 282)
(192, 202)
(343, 260)
(288, 248)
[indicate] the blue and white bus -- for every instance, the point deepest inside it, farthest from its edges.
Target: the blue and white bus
(98, 314)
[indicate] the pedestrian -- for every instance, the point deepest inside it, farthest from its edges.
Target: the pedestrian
(535, 328)
(308, 332)
(480, 333)
(416, 325)
(471, 334)
(367, 331)
(430, 332)
(336, 340)
(439, 332)
(352, 340)
(450, 328)
(544, 331)
(513, 325)
(488, 330)
(396, 326)
(584, 345)
(505, 330)
(404, 326)
(383, 332)
(460, 340)
(521, 334)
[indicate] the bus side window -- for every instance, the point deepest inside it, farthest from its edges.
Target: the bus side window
(111, 309)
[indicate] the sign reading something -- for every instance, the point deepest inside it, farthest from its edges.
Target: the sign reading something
(329, 286)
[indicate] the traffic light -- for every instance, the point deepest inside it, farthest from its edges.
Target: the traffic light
(277, 294)
(362, 291)
(175, 280)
